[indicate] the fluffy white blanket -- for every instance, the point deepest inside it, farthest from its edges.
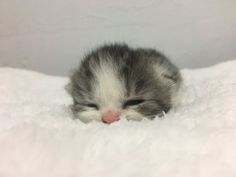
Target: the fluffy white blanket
(38, 138)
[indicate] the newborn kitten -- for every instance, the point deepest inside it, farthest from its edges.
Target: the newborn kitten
(115, 81)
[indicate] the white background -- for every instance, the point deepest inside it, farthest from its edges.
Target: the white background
(51, 36)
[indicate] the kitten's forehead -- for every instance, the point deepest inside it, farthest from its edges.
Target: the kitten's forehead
(109, 89)
(116, 79)
(113, 74)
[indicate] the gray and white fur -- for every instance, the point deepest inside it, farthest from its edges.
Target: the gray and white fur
(115, 81)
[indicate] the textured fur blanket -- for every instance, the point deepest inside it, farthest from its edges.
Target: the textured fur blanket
(38, 138)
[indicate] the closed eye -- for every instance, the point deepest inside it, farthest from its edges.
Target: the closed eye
(133, 102)
(92, 105)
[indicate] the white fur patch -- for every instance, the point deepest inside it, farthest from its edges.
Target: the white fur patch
(109, 90)
(90, 115)
(131, 114)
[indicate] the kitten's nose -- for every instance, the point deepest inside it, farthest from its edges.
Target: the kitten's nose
(110, 117)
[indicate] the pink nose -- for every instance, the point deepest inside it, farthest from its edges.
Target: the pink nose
(110, 117)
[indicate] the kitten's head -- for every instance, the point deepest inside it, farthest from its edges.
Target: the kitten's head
(115, 81)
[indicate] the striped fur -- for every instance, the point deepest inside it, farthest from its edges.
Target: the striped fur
(137, 82)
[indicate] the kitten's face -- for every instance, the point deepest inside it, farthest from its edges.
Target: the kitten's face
(110, 86)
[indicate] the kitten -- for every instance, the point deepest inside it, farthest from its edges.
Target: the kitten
(116, 81)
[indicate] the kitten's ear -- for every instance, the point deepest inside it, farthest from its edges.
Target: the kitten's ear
(68, 88)
(171, 77)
